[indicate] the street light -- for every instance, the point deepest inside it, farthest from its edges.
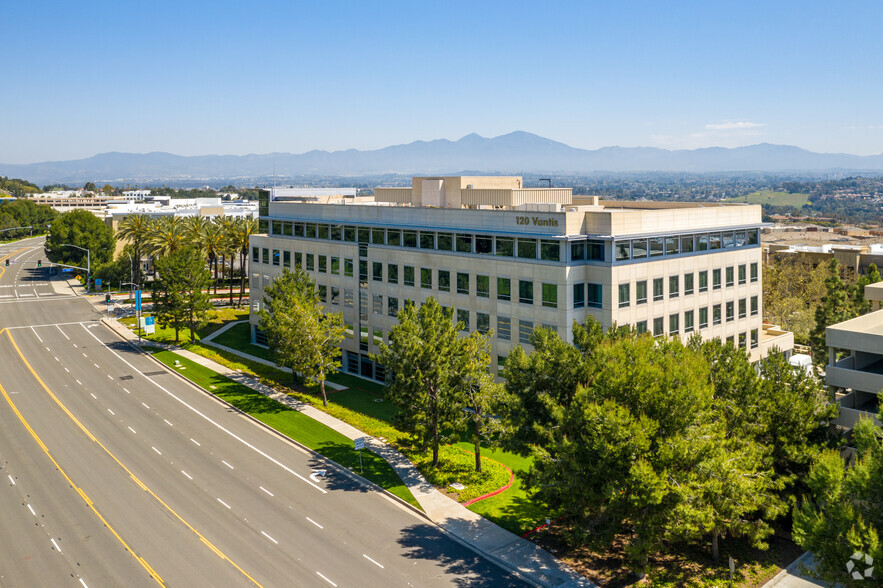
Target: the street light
(131, 266)
(88, 259)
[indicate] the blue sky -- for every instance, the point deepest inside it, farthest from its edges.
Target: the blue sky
(223, 77)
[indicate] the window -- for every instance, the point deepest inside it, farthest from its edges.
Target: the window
(427, 240)
(742, 339)
(378, 336)
(348, 267)
(593, 295)
(363, 271)
(298, 259)
(716, 279)
(445, 241)
(641, 292)
(256, 254)
(505, 246)
(377, 271)
(378, 304)
(641, 327)
(671, 245)
(444, 280)
(463, 317)
(311, 262)
(687, 244)
(347, 298)
(484, 244)
(703, 317)
(657, 246)
(265, 255)
(702, 243)
(323, 264)
(504, 289)
(504, 328)
(623, 251)
(595, 250)
(525, 292)
(624, 295)
(714, 241)
(392, 273)
(277, 227)
(501, 361)
(716, 314)
(335, 266)
(336, 232)
(703, 281)
(639, 248)
(752, 236)
(298, 229)
(673, 327)
(754, 272)
(525, 328)
(425, 277)
(409, 275)
(730, 310)
(754, 306)
(310, 230)
(743, 308)
(658, 289)
(527, 248)
(673, 286)
(394, 237)
(730, 276)
(659, 326)
(286, 258)
(482, 322)
(728, 240)
(688, 284)
(349, 233)
(754, 339)
(688, 321)
(742, 273)
(462, 283)
(483, 286)
(409, 238)
(464, 243)
(550, 250)
(550, 295)
(578, 250)
(323, 294)
(579, 295)
(323, 231)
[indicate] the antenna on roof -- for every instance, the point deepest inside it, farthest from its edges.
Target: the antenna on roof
(546, 180)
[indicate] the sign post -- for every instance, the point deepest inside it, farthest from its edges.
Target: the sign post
(359, 443)
(138, 313)
(732, 569)
(149, 325)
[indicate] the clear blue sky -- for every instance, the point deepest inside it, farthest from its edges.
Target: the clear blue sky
(223, 77)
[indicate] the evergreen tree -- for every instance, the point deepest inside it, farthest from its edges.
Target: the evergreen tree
(836, 306)
(179, 296)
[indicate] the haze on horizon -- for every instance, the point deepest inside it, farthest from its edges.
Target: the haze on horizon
(221, 77)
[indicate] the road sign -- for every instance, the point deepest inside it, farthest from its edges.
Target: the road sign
(67, 270)
(359, 443)
(97, 282)
(138, 300)
(149, 325)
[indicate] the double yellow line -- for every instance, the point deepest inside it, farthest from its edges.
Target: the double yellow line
(135, 478)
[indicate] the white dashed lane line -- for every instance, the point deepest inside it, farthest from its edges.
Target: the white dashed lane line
(133, 430)
(224, 503)
(186, 474)
(227, 464)
(265, 490)
(168, 423)
(32, 510)
(315, 523)
(195, 441)
(376, 563)
(157, 450)
(326, 579)
(270, 538)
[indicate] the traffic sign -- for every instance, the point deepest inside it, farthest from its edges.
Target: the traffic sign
(359, 442)
(97, 282)
(149, 325)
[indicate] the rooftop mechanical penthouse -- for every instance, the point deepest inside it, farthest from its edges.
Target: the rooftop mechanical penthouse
(509, 259)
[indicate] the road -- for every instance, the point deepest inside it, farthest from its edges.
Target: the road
(114, 471)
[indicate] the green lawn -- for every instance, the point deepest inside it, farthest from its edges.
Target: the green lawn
(769, 197)
(299, 427)
(219, 318)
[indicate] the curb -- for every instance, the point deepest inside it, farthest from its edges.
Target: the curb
(794, 565)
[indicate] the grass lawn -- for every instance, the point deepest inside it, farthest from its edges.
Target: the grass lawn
(219, 318)
(303, 429)
(797, 200)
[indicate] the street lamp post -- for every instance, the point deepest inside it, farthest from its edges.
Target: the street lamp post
(131, 269)
(88, 260)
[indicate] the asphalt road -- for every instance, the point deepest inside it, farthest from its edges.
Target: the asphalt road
(113, 471)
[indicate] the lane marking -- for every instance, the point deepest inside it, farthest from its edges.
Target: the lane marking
(186, 474)
(145, 406)
(135, 478)
(378, 564)
(67, 370)
(270, 538)
(227, 464)
(195, 441)
(11, 480)
(127, 392)
(32, 510)
(315, 523)
(133, 430)
(47, 349)
(168, 423)
(62, 332)
(84, 355)
(96, 366)
(55, 544)
(157, 450)
(224, 503)
(265, 490)
(38, 336)
(90, 394)
(111, 412)
(83, 583)
(326, 579)
(109, 377)
(216, 424)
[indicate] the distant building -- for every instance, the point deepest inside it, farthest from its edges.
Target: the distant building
(136, 194)
(67, 200)
(857, 258)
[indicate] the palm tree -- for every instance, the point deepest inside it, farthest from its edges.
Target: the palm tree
(228, 248)
(136, 229)
(212, 241)
(245, 228)
(167, 235)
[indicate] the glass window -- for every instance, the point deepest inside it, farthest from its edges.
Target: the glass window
(378, 304)
(754, 306)
(277, 227)
(464, 243)
(688, 284)
(742, 337)
(577, 250)
(392, 273)
(504, 328)
(256, 254)
(659, 326)
(505, 246)
(298, 229)
(730, 276)
(394, 237)
(550, 295)
(483, 286)
(336, 232)
(658, 289)
(641, 292)
(579, 295)
(525, 328)
(716, 314)
(335, 295)
(504, 289)
(743, 273)
(484, 244)
(593, 295)
(409, 238)
(364, 234)
(311, 262)
(673, 286)
(276, 257)
(595, 250)
(754, 339)
(714, 241)
(463, 318)
(673, 327)
(298, 259)
(741, 240)
(702, 242)
(349, 233)
(427, 240)
(671, 245)
(703, 317)
(623, 250)
(527, 248)
(287, 229)
(728, 240)
(378, 336)
(657, 246)
(462, 283)
(286, 258)
(703, 281)
(550, 250)
(687, 244)
(482, 322)
(639, 248)
(348, 267)
(378, 236)
(525, 291)
(363, 271)
(754, 272)
(377, 271)
(323, 294)
(265, 255)
(716, 279)
(392, 304)
(409, 275)
(752, 236)
(335, 266)
(688, 321)
(310, 230)
(731, 310)
(743, 308)
(347, 298)
(323, 231)
(445, 242)
(641, 327)
(425, 277)
(323, 264)
(624, 295)
(444, 280)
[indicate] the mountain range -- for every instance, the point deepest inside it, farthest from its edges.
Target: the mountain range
(515, 153)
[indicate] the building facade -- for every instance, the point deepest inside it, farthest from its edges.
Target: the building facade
(509, 259)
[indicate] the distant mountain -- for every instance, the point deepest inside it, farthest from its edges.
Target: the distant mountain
(515, 153)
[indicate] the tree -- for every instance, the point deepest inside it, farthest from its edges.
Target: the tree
(83, 229)
(90, 187)
(179, 296)
(136, 229)
(116, 271)
(792, 290)
(835, 307)
(319, 334)
(244, 229)
(167, 236)
(421, 359)
(480, 395)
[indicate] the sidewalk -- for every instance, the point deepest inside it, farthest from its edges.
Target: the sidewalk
(792, 577)
(510, 551)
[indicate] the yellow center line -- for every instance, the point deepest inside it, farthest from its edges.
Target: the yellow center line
(127, 470)
(79, 490)
(5, 257)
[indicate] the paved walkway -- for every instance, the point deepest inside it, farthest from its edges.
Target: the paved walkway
(792, 576)
(510, 551)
